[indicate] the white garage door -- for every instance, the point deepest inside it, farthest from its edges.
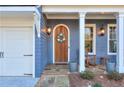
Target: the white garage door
(16, 47)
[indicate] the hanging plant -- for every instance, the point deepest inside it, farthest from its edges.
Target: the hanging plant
(60, 38)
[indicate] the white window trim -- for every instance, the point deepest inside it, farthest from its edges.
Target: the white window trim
(109, 53)
(94, 38)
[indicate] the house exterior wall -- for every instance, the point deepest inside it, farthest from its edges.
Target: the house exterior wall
(101, 41)
(40, 50)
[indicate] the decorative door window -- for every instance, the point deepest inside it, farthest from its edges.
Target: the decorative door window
(90, 39)
(112, 42)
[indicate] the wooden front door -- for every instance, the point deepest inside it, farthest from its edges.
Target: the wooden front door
(61, 45)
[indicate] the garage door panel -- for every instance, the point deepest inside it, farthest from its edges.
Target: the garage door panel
(17, 48)
(1, 67)
(17, 41)
(17, 44)
(17, 67)
(12, 32)
(14, 48)
(1, 50)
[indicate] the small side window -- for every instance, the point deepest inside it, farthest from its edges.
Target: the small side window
(112, 41)
(90, 38)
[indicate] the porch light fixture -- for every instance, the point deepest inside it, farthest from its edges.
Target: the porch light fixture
(48, 31)
(101, 31)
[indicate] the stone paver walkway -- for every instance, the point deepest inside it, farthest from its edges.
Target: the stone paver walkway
(54, 76)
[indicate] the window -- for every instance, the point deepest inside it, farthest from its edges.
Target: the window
(112, 42)
(90, 38)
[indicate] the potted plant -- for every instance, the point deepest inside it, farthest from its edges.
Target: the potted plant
(110, 66)
(73, 66)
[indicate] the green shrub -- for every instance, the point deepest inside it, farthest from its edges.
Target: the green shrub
(97, 85)
(114, 76)
(87, 75)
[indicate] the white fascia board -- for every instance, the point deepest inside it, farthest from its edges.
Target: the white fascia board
(17, 8)
(76, 9)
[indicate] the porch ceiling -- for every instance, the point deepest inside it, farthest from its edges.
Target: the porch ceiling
(95, 15)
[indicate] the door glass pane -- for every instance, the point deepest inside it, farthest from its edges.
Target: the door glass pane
(112, 44)
(112, 33)
(89, 39)
(89, 46)
(89, 33)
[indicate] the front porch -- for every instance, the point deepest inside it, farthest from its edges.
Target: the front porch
(102, 48)
(67, 29)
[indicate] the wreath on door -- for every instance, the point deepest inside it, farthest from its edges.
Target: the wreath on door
(60, 38)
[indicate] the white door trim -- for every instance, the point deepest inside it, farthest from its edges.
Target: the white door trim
(54, 41)
(33, 51)
(108, 37)
(94, 37)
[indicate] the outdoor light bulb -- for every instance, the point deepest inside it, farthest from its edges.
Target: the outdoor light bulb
(102, 31)
(49, 30)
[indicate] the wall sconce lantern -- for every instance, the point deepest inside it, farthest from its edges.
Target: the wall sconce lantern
(48, 31)
(101, 31)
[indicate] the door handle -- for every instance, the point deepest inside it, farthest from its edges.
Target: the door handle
(28, 55)
(1, 54)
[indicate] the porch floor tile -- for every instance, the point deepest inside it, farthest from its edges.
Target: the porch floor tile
(54, 76)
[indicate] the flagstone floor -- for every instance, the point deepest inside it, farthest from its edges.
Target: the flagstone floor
(54, 76)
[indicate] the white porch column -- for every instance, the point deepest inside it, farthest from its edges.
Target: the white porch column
(81, 42)
(120, 43)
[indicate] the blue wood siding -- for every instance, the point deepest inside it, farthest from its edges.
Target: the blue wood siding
(40, 50)
(101, 42)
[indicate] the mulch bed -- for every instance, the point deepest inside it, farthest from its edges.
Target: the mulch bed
(76, 81)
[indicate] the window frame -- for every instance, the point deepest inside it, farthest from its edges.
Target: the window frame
(94, 38)
(108, 39)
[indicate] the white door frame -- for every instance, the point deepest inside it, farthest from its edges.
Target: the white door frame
(54, 41)
(33, 66)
